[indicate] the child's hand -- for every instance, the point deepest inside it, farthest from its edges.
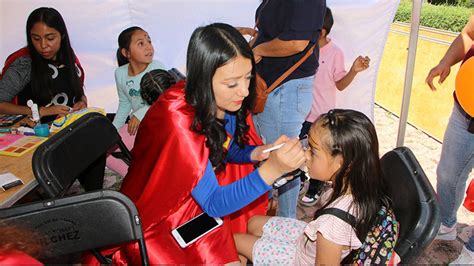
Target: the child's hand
(133, 124)
(361, 63)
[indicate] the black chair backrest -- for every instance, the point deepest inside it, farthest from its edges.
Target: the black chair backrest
(414, 202)
(64, 156)
(81, 222)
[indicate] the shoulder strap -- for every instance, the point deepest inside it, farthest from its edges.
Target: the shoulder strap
(343, 215)
(290, 70)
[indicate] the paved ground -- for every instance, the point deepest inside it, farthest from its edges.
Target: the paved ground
(427, 150)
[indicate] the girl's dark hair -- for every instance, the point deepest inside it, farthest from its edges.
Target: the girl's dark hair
(328, 20)
(353, 136)
(211, 47)
(15, 238)
(40, 80)
(124, 40)
(154, 83)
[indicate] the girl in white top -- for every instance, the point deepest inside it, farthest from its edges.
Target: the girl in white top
(135, 58)
(343, 150)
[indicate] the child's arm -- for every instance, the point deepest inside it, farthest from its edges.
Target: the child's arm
(136, 118)
(327, 252)
(140, 113)
(124, 106)
(360, 64)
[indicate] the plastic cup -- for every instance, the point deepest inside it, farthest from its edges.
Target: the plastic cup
(41, 130)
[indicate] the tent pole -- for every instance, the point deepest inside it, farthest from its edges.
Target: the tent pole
(415, 26)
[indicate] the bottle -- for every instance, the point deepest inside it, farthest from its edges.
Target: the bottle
(34, 110)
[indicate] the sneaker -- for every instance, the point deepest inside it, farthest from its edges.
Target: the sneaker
(446, 233)
(466, 257)
(309, 200)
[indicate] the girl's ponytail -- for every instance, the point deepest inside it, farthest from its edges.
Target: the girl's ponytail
(121, 59)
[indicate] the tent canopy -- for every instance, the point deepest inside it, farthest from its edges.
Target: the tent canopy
(361, 28)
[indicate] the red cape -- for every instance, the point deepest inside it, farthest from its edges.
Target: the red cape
(25, 52)
(168, 161)
(18, 258)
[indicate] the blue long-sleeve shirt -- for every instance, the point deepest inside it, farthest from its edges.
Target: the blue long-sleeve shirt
(218, 201)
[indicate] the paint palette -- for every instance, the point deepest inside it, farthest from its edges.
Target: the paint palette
(9, 120)
(17, 145)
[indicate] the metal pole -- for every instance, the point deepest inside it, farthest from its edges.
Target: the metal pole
(413, 41)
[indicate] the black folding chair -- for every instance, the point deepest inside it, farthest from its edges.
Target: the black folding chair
(77, 151)
(81, 222)
(414, 202)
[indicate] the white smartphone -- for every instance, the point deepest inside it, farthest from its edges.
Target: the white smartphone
(194, 229)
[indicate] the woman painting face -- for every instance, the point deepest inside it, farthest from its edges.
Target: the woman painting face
(231, 83)
(46, 40)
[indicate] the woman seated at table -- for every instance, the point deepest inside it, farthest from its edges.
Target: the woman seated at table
(46, 71)
(185, 144)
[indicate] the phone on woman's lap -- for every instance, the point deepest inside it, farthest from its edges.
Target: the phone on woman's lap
(194, 229)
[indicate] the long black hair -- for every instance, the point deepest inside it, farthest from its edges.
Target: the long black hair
(211, 47)
(40, 80)
(124, 40)
(350, 134)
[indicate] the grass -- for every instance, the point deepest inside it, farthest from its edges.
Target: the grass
(445, 17)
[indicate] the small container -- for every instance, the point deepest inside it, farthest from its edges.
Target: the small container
(41, 130)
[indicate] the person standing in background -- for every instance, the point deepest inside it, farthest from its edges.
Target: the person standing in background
(286, 31)
(330, 78)
(457, 153)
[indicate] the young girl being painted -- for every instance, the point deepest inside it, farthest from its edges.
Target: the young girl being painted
(343, 150)
(135, 58)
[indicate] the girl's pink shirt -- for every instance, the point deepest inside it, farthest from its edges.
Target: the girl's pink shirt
(331, 69)
(332, 228)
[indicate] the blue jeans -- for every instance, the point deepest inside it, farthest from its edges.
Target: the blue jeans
(455, 164)
(285, 110)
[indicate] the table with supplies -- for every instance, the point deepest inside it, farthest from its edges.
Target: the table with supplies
(16, 152)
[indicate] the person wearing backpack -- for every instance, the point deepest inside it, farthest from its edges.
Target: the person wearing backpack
(343, 150)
